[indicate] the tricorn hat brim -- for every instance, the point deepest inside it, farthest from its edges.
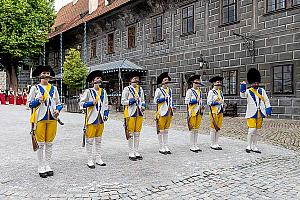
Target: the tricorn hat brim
(42, 68)
(93, 75)
(162, 76)
(132, 74)
(216, 78)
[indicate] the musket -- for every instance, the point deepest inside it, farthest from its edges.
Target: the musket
(213, 120)
(84, 128)
(35, 145)
(126, 127)
(188, 119)
(156, 120)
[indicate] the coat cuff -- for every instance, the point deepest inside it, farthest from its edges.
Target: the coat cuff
(214, 103)
(34, 103)
(88, 104)
(193, 101)
(131, 101)
(243, 88)
(106, 112)
(269, 111)
(59, 107)
(143, 105)
(160, 100)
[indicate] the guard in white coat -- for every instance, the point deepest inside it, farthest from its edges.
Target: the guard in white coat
(258, 107)
(95, 101)
(133, 100)
(44, 101)
(164, 113)
(215, 101)
(195, 108)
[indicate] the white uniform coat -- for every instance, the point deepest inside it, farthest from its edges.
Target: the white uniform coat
(165, 105)
(129, 93)
(192, 95)
(211, 100)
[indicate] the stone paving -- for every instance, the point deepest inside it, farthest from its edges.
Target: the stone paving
(227, 174)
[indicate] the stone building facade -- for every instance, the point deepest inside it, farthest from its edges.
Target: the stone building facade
(230, 36)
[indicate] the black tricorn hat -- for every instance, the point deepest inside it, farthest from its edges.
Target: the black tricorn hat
(162, 76)
(253, 76)
(93, 75)
(194, 77)
(132, 74)
(216, 78)
(42, 68)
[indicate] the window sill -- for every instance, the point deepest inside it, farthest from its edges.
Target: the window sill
(187, 34)
(110, 53)
(283, 95)
(157, 41)
(228, 24)
(281, 10)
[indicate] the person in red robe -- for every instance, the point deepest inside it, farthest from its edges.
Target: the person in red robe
(2, 97)
(19, 100)
(25, 93)
(11, 97)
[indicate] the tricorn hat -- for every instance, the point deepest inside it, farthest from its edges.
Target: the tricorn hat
(194, 77)
(253, 76)
(162, 76)
(93, 75)
(42, 68)
(132, 74)
(216, 78)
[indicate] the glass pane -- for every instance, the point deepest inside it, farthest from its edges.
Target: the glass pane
(184, 26)
(190, 25)
(159, 34)
(277, 73)
(281, 4)
(287, 68)
(191, 11)
(159, 20)
(231, 2)
(184, 12)
(271, 5)
(277, 86)
(225, 2)
(296, 2)
(225, 15)
(231, 13)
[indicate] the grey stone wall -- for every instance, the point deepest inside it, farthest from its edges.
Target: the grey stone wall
(3, 79)
(277, 41)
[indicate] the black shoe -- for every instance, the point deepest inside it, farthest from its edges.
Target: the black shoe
(248, 150)
(199, 150)
(219, 148)
(168, 152)
(43, 175)
(214, 148)
(256, 151)
(103, 164)
(132, 158)
(50, 173)
(195, 151)
(163, 152)
(139, 157)
(91, 167)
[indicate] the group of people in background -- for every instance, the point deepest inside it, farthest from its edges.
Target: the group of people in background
(9, 97)
(44, 101)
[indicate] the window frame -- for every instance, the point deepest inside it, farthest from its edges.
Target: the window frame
(154, 28)
(236, 81)
(235, 3)
(93, 48)
(282, 80)
(187, 18)
(113, 43)
(276, 4)
(134, 37)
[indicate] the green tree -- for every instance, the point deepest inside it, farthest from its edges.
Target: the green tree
(24, 25)
(75, 71)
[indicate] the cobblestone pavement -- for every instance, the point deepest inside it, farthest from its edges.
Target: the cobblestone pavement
(279, 132)
(227, 174)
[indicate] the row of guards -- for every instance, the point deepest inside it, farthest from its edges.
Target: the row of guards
(9, 97)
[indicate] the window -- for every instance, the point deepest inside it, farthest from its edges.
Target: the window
(184, 82)
(110, 43)
(56, 59)
(131, 36)
(157, 29)
(230, 82)
(25, 67)
(296, 2)
(93, 48)
(283, 79)
(188, 20)
(153, 86)
(229, 11)
(273, 5)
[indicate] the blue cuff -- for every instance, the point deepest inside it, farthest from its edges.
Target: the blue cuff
(132, 101)
(193, 101)
(59, 107)
(269, 111)
(106, 112)
(243, 88)
(214, 103)
(160, 100)
(34, 103)
(144, 105)
(88, 104)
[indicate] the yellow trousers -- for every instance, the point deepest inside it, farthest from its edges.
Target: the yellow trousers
(195, 121)
(135, 124)
(218, 119)
(45, 130)
(164, 122)
(94, 130)
(255, 122)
